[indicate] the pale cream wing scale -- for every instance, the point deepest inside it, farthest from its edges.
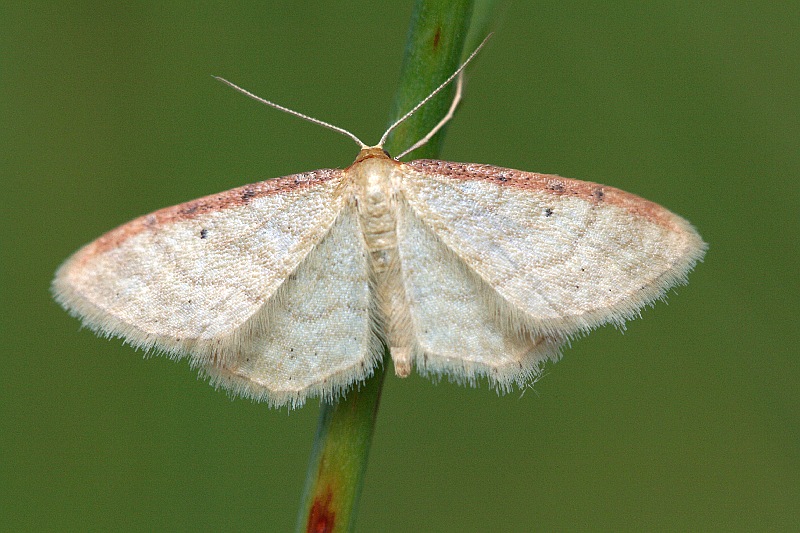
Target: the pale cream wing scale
(460, 327)
(316, 336)
(545, 258)
(196, 279)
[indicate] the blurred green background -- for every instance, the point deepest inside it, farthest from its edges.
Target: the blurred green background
(688, 421)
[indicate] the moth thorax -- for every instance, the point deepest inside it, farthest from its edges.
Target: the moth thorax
(377, 208)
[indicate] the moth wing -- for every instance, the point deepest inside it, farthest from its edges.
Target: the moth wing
(184, 279)
(454, 322)
(315, 336)
(564, 255)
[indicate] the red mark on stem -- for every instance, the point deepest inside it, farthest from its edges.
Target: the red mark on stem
(436, 38)
(322, 517)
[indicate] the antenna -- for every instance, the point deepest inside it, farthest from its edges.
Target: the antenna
(434, 93)
(293, 112)
(457, 74)
(445, 120)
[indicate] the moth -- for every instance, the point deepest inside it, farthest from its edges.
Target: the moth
(289, 288)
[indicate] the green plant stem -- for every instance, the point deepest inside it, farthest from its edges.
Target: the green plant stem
(344, 433)
(434, 48)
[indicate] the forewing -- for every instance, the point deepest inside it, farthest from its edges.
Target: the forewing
(568, 255)
(183, 278)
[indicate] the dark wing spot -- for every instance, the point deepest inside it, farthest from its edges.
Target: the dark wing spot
(548, 212)
(598, 194)
(557, 187)
(248, 193)
(203, 233)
